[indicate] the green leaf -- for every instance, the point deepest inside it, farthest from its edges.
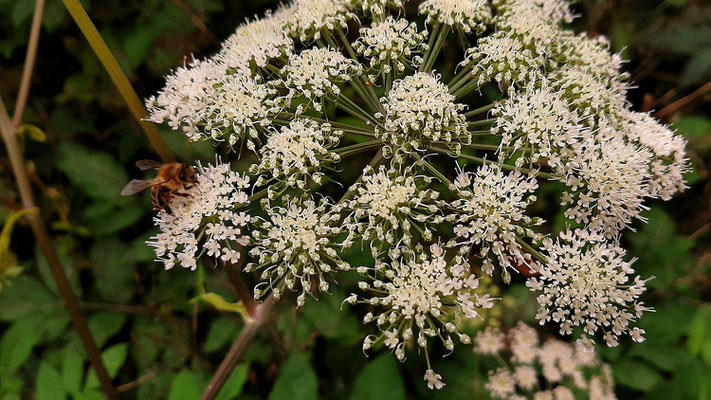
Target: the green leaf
(27, 297)
(221, 304)
(234, 384)
(635, 375)
(380, 379)
(693, 126)
(104, 325)
(296, 381)
(696, 68)
(114, 357)
(138, 44)
(661, 251)
(95, 172)
(33, 132)
(53, 15)
(220, 332)
(17, 344)
(49, 383)
(22, 11)
(663, 355)
(184, 387)
(330, 320)
(112, 269)
(72, 371)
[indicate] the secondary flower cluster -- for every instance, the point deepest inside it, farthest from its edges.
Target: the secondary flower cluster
(434, 168)
(565, 369)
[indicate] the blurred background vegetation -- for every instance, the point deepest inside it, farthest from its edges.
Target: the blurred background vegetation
(158, 342)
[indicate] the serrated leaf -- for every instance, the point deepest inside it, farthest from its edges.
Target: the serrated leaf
(220, 332)
(296, 381)
(184, 387)
(95, 172)
(380, 379)
(330, 320)
(49, 383)
(235, 383)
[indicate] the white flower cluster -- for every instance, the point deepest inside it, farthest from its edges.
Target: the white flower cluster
(586, 282)
(305, 19)
(468, 16)
(314, 74)
(422, 295)
(256, 43)
(296, 153)
(391, 44)
(388, 203)
(218, 198)
(420, 110)
(295, 243)
(504, 59)
(377, 7)
(490, 213)
(340, 97)
(538, 122)
(564, 368)
(665, 150)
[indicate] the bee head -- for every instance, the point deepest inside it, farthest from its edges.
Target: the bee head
(187, 173)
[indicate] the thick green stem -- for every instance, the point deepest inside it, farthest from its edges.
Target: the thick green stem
(433, 52)
(377, 159)
(358, 148)
(482, 122)
(438, 174)
(506, 167)
(117, 76)
(479, 110)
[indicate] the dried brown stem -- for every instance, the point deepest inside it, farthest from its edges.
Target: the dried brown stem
(244, 294)
(673, 107)
(23, 183)
(29, 63)
(228, 364)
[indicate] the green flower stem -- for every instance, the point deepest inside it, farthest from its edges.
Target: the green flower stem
(466, 89)
(475, 146)
(535, 253)
(506, 167)
(135, 105)
(433, 52)
(358, 148)
(479, 110)
(257, 195)
(370, 92)
(459, 78)
(482, 122)
(377, 159)
(356, 110)
(481, 133)
(438, 174)
(430, 45)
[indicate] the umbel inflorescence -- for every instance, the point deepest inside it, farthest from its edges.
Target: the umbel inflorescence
(318, 87)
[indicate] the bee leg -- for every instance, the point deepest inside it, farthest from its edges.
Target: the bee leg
(168, 210)
(182, 194)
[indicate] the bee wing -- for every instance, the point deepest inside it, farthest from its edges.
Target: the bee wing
(148, 164)
(136, 186)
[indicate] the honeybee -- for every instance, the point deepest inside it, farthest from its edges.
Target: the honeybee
(172, 178)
